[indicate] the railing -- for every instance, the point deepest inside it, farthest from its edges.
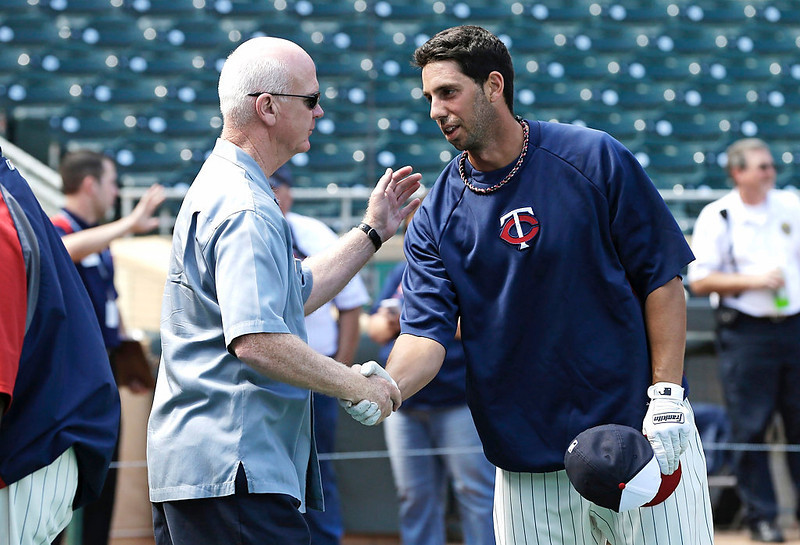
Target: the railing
(44, 181)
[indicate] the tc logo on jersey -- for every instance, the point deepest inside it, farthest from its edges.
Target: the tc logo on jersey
(519, 227)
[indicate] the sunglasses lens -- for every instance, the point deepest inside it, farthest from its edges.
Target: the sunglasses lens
(312, 101)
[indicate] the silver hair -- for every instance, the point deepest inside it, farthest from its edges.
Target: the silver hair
(250, 68)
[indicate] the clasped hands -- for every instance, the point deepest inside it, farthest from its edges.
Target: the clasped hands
(369, 412)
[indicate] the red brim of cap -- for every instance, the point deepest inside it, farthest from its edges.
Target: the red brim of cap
(668, 485)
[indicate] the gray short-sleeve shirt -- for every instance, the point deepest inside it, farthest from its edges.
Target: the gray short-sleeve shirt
(231, 273)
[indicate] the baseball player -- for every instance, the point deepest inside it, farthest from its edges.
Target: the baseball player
(59, 406)
(557, 253)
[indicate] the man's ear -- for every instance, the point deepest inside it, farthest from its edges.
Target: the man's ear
(266, 109)
(494, 86)
(89, 184)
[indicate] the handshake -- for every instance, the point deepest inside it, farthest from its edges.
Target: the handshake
(366, 411)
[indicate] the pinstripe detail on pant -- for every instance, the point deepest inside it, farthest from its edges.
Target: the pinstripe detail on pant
(545, 509)
(36, 508)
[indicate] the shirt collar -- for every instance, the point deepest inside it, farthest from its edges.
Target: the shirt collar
(233, 153)
(755, 215)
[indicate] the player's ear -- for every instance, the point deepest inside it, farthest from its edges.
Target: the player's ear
(494, 86)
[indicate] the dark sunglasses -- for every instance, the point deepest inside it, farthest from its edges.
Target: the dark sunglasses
(311, 101)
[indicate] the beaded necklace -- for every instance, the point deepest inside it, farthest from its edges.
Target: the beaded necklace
(485, 191)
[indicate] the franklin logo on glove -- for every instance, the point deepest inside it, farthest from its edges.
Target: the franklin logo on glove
(668, 417)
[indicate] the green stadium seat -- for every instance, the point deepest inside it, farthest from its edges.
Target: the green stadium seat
(91, 125)
(108, 31)
(78, 7)
(16, 60)
(197, 35)
(43, 91)
(76, 59)
(33, 29)
(16, 7)
(163, 8)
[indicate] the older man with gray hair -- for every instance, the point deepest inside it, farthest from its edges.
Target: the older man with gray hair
(231, 455)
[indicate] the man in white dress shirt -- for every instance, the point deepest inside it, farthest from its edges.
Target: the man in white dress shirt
(335, 336)
(747, 246)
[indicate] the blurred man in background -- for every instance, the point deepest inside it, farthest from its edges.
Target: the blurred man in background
(437, 417)
(336, 337)
(89, 184)
(748, 258)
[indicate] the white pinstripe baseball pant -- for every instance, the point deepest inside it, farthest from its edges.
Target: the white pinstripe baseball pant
(36, 508)
(545, 509)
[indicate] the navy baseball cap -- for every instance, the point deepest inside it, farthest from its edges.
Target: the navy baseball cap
(282, 176)
(615, 467)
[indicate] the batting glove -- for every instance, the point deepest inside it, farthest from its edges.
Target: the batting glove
(372, 368)
(667, 425)
(365, 411)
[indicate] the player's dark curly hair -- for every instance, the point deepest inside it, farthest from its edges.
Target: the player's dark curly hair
(477, 51)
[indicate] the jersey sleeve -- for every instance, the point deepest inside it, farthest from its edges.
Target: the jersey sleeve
(13, 285)
(650, 245)
(430, 307)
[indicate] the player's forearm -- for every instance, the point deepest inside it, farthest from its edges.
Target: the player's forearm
(665, 320)
(413, 363)
(334, 268)
(91, 241)
(349, 333)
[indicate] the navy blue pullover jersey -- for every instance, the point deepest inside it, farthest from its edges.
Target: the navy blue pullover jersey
(549, 275)
(64, 393)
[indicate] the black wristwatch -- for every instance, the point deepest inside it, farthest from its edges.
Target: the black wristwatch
(372, 234)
